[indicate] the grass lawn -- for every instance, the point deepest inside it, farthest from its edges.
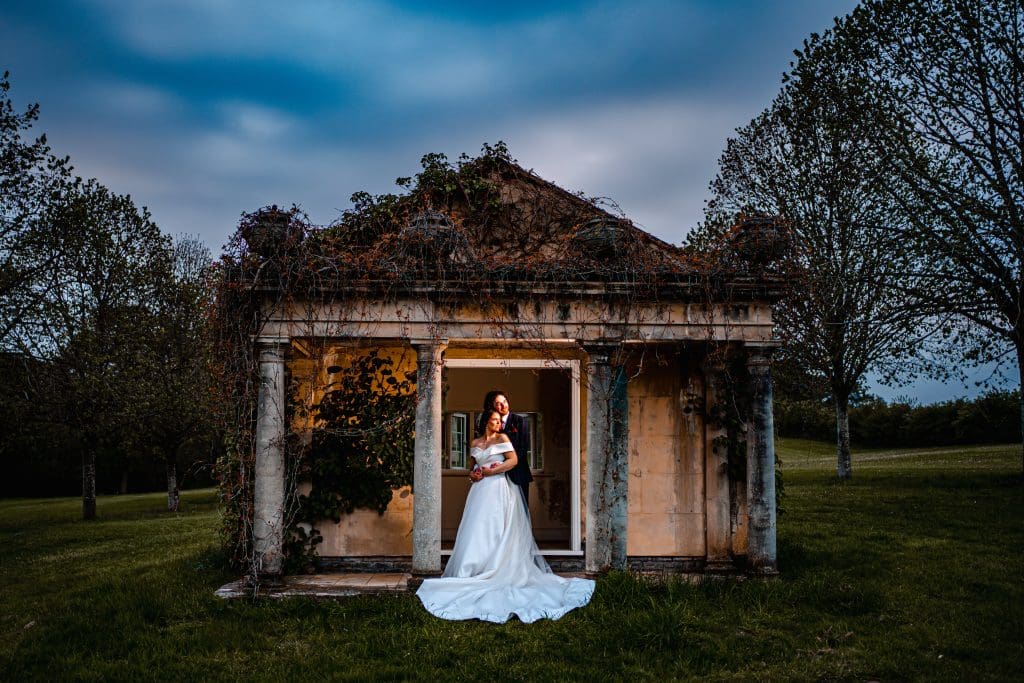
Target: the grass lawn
(911, 571)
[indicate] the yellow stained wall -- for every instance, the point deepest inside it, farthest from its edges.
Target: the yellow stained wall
(364, 532)
(666, 458)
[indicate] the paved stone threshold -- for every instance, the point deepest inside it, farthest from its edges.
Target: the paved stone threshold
(328, 586)
(319, 586)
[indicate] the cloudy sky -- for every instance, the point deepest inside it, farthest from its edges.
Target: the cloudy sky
(203, 109)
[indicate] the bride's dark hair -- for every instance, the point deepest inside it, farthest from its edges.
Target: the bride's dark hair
(481, 427)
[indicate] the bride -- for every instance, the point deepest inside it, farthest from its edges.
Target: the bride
(495, 569)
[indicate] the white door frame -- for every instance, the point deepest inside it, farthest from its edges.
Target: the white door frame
(573, 366)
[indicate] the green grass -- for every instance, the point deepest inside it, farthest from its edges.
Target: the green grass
(910, 571)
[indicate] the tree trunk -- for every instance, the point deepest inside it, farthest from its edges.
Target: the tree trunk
(89, 484)
(172, 485)
(124, 482)
(844, 468)
(1020, 389)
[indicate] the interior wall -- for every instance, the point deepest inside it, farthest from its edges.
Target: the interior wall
(545, 391)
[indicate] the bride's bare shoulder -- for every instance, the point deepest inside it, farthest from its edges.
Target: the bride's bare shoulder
(503, 438)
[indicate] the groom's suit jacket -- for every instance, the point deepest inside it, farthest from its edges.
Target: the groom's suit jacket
(517, 428)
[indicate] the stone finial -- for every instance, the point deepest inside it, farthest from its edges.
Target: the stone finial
(761, 242)
(271, 230)
(431, 236)
(601, 238)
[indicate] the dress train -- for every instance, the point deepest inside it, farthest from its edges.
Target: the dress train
(495, 570)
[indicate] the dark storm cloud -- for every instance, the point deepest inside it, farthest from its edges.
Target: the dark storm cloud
(204, 109)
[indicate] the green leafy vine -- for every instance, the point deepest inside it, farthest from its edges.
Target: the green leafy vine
(360, 450)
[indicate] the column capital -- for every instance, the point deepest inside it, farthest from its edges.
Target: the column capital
(760, 353)
(271, 341)
(429, 342)
(712, 362)
(600, 351)
(272, 349)
(429, 351)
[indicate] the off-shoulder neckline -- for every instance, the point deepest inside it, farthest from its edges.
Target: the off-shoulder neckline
(486, 448)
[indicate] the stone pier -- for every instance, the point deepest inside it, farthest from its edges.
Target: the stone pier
(426, 514)
(607, 461)
(268, 496)
(761, 550)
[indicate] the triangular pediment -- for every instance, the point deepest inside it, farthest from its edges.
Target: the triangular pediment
(499, 213)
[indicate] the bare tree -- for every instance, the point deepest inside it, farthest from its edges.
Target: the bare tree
(805, 160)
(952, 74)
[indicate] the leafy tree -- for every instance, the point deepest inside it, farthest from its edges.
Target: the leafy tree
(89, 331)
(806, 161)
(177, 409)
(31, 179)
(952, 74)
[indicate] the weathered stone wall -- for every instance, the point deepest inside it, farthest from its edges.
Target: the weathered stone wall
(672, 471)
(666, 458)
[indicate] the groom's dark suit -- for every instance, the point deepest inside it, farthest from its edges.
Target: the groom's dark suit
(517, 428)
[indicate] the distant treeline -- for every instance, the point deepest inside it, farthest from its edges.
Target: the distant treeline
(48, 463)
(991, 418)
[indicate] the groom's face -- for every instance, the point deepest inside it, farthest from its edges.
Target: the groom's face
(501, 405)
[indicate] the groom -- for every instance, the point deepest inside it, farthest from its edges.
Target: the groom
(517, 428)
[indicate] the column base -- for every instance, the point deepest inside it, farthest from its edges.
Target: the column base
(270, 580)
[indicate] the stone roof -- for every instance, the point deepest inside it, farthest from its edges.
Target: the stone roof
(486, 220)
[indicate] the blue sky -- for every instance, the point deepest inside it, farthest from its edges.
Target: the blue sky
(203, 109)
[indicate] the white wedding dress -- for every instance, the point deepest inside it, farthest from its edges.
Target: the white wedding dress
(495, 569)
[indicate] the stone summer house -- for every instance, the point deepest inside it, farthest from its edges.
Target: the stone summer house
(612, 342)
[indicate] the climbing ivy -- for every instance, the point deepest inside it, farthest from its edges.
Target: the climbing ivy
(361, 448)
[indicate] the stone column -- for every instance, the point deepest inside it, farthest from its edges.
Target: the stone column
(761, 554)
(268, 495)
(717, 521)
(426, 506)
(607, 460)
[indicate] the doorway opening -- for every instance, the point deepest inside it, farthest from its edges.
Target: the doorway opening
(547, 392)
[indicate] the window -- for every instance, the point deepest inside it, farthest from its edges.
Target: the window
(457, 446)
(535, 454)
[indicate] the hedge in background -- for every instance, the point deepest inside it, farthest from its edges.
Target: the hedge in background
(991, 418)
